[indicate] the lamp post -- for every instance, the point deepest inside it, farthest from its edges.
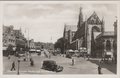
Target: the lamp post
(18, 66)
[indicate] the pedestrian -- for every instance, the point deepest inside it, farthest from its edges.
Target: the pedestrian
(31, 62)
(99, 69)
(24, 59)
(73, 61)
(13, 66)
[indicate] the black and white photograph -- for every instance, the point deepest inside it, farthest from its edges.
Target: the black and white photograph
(59, 37)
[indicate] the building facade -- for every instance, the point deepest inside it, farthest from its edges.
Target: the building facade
(8, 37)
(21, 42)
(14, 38)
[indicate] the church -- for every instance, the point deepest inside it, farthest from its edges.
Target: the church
(90, 34)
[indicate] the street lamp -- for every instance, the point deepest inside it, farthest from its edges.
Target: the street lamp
(18, 66)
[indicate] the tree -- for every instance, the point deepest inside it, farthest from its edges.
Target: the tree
(61, 43)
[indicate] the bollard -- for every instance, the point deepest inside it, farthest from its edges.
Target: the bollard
(99, 69)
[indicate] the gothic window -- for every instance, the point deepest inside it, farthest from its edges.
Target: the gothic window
(108, 45)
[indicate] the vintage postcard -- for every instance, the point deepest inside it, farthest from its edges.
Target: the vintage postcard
(60, 38)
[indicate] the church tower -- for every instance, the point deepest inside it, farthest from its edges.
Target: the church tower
(80, 21)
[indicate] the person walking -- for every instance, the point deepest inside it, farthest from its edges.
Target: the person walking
(73, 61)
(13, 66)
(31, 62)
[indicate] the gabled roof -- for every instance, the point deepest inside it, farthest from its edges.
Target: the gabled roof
(94, 19)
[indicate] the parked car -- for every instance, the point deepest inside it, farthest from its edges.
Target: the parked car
(51, 66)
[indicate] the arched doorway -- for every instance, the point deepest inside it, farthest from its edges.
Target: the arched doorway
(93, 44)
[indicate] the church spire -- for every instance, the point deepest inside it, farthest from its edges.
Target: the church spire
(64, 34)
(80, 21)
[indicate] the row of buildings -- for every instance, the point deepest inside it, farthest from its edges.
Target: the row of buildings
(16, 39)
(90, 34)
(13, 38)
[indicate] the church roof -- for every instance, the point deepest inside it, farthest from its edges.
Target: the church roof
(80, 32)
(109, 33)
(106, 34)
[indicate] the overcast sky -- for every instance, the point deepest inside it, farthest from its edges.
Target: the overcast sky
(46, 20)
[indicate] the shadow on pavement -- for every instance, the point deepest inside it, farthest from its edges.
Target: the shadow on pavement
(110, 66)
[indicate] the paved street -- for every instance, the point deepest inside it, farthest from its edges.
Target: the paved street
(82, 66)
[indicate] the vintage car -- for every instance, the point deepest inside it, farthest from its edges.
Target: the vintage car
(51, 66)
